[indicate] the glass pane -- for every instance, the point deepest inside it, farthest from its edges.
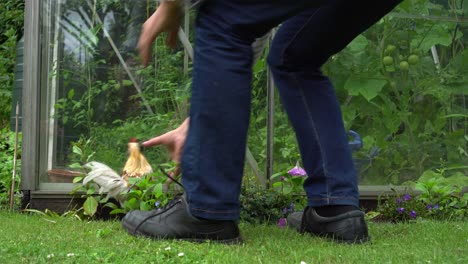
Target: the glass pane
(403, 87)
(95, 93)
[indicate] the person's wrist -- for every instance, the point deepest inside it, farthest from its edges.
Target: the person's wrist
(185, 125)
(178, 4)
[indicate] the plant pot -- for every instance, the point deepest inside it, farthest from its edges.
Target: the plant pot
(62, 175)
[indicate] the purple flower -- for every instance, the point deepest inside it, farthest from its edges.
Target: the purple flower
(436, 207)
(291, 207)
(285, 210)
(406, 197)
(401, 210)
(157, 204)
(283, 178)
(429, 207)
(282, 222)
(412, 214)
(398, 201)
(297, 171)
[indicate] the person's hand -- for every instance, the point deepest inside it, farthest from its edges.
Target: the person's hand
(174, 141)
(166, 18)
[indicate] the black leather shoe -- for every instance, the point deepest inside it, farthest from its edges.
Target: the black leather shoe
(174, 221)
(349, 227)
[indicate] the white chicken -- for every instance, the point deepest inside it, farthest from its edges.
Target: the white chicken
(111, 182)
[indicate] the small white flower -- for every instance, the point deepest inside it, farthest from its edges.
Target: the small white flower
(180, 254)
(70, 254)
(303, 262)
(168, 248)
(50, 256)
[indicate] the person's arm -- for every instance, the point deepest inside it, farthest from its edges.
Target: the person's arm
(174, 141)
(166, 18)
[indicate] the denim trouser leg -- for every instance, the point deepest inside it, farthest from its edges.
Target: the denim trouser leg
(301, 46)
(214, 152)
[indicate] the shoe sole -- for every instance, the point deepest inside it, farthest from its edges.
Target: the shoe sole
(232, 241)
(359, 239)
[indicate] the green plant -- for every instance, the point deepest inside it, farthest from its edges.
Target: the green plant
(52, 216)
(443, 196)
(7, 62)
(438, 198)
(110, 142)
(146, 193)
(92, 198)
(11, 17)
(401, 207)
(82, 152)
(259, 205)
(290, 181)
(7, 144)
(165, 85)
(394, 95)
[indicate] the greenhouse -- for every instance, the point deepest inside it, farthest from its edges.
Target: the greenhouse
(402, 86)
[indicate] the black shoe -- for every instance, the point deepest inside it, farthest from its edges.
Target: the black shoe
(174, 221)
(349, 227)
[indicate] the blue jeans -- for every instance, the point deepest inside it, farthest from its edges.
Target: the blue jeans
(214, 152)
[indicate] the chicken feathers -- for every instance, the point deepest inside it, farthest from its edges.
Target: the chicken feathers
(108, 180)
(111, 182)
(136, 165)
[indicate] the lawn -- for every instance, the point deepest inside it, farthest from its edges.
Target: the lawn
(37, 239)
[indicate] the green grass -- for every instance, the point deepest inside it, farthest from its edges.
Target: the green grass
(36, 239)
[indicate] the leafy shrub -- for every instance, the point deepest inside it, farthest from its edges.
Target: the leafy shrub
(401, 207)
(146, 193)
(260, 205)
(394, 95)
(443, 196)
(11, 19)
(439, 198)
(7, 145)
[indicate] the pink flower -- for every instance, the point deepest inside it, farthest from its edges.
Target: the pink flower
(297, 171)
(282, 222)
